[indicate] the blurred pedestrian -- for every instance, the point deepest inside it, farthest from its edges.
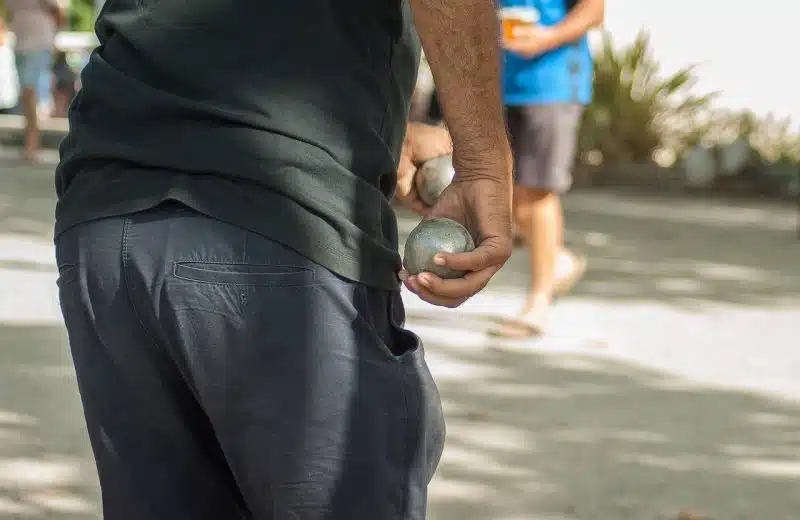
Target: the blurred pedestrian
(34, 24)
(547, 81)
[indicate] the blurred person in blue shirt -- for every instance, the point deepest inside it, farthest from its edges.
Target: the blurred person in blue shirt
(547, 81)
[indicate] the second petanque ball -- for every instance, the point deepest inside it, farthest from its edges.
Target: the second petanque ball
(433, 177)
(434, 236)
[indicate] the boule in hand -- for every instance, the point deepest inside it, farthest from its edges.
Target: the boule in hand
(433, 177)
(432, 236)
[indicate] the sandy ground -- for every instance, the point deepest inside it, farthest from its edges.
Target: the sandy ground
(670, 382)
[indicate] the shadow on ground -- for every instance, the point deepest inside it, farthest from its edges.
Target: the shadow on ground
(683, 252)
(568, 437)
(46, 468)
(687, 252)
(27, 199)
(531, 436)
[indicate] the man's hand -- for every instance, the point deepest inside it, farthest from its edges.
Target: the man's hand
(422, 142)
(479, 198)
(460, 42)
(530, 42)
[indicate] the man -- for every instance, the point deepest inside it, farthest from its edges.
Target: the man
(547, 81)
(228, 253)
(34, 24)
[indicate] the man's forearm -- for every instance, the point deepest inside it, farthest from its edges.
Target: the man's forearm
(585, 15)
(460, 41)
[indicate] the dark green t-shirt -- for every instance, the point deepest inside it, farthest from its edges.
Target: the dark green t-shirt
(285, 117)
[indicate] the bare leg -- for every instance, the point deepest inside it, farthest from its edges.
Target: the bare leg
(539, 215)
(30, 111)
(553, 268)
(544, 145)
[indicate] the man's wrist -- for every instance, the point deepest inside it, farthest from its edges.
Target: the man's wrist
(558, 36)
(482, 162)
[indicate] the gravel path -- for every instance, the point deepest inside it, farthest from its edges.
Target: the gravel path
(670, 382)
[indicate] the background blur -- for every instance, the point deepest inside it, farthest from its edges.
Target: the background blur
(669, 388)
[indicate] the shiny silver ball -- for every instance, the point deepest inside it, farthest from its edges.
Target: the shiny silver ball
(434, 236)
(433, 177)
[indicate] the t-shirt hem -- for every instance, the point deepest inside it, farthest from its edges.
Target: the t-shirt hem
(325, 248)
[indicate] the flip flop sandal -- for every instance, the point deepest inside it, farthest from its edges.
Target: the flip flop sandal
(517, 328)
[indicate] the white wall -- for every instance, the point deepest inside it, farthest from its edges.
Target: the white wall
(747, 49)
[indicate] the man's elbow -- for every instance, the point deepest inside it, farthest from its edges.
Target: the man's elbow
(599, 12)
(593, 12)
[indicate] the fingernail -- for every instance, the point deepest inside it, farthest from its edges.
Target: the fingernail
(439, 260)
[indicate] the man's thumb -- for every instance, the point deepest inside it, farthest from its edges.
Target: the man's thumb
(489, 253)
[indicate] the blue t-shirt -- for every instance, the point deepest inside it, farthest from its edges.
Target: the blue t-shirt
(563, 75)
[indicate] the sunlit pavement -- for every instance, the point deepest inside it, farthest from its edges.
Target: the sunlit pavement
(670, 380)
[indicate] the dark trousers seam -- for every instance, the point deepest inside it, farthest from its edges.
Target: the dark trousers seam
(138, 314)
(128, 290)
(150, 335)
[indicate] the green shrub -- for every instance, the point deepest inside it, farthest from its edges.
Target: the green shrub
(81, 15)
(636, 109)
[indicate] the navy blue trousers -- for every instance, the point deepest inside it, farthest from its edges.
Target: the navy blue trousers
(225, 376)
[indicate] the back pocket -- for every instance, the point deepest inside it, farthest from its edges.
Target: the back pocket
(243, 274)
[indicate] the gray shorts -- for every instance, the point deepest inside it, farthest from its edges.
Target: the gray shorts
(544, 141)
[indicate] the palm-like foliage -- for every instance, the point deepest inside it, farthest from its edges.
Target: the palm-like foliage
(636, 109)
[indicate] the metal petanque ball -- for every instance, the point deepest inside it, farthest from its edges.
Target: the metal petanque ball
(434, 236)
(433, 177)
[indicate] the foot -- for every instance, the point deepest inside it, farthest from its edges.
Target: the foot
(30, 156)
(30, 152)
(528, 324)
(570, 268)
